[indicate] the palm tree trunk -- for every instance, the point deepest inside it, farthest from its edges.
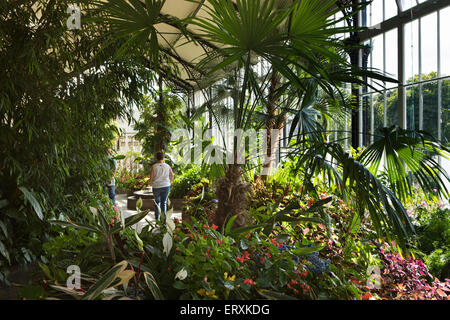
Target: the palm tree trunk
(232, 195)
(271, 124)
(160, 118)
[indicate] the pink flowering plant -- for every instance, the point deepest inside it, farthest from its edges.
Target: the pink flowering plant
(408, 278)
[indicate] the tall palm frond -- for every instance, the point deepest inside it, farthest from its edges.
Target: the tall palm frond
(133, 22)
(408, 154)
(386, 211)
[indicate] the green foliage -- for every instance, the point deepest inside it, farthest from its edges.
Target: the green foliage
(433, 229)
(215, 266)
(327, 205)
(59, 97)
(63, 248)
(200, 202)
(430, 109)
(408, 154)
(184, 182)
(131, 181)
(438, 263)
(433, 236)
(157, 121)
(255, 262)
(134, 23)
(357, 185)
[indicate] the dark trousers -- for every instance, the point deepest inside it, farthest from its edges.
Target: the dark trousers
(112, 193)
(160, 195)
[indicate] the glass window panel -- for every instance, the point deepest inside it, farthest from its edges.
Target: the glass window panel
(342, 124)
(444, 21)
(376, 59)
(408, 4)
(430, 108)
(390, 9)
(392, 107)
(364, 16)
(376, 12)
(340, 24)
(429, 44)
(412, 107)
(445, 115)
(371, 125)
(378, 114)
(412, 51)
(391, 56)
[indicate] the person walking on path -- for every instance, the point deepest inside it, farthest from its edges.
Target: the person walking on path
(161, 177)
(111, 184)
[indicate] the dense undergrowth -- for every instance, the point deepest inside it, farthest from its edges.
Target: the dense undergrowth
(322, 227)
(296, 246)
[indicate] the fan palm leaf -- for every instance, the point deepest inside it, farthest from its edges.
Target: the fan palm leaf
(406, 153)
(386, 211)
(133, 22)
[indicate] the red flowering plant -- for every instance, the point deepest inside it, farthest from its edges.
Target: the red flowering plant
(204, 263)
(130, 181)
(200, 203)
(274, 270)
(319, 219)
(188, 261)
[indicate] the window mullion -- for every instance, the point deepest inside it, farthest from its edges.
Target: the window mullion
(420, 76)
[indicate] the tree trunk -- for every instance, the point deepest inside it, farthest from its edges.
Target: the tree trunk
(271, 124)
(160, 118)
(233, 199)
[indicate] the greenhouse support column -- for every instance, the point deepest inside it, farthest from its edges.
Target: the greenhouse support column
(188, 104)
(355, 104)
(401, 77)
(355, 61)
(412, 125)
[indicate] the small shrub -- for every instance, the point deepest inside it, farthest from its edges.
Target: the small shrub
(184, 182)
(438, 263)
(200, 203)
(131, 181)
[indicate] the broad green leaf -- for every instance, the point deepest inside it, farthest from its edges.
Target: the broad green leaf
(245, 229)
(229, 224)
(132, 220)
(4, 252)
(34, 203)
(139, 204)
(153, 286)
(72, 292)
(106, 281)
(74, 225)
(46, 270)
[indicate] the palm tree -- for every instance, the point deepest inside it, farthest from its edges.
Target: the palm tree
(297, 53)
(308, 60)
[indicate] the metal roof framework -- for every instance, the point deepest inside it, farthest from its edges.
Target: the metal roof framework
(184, 53)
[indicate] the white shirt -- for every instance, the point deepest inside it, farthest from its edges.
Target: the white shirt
(161, 176)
